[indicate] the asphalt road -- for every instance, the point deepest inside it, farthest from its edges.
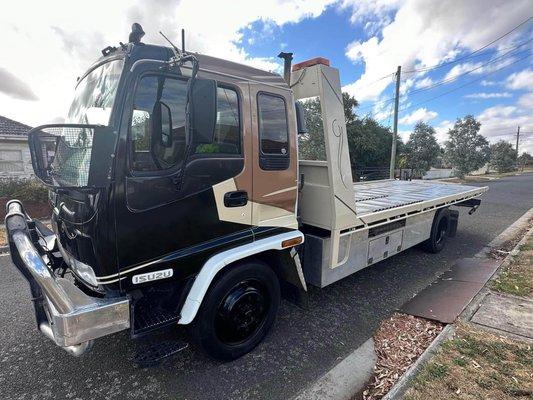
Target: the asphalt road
(303, 345)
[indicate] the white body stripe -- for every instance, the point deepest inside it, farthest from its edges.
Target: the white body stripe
(219, 261)
(281, 191)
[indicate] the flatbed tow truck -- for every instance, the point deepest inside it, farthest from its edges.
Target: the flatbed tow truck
(179, 200)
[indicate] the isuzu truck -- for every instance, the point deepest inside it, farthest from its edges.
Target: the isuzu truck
(179, 201)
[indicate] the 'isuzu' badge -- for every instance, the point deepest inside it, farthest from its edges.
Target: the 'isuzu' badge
(152, 276)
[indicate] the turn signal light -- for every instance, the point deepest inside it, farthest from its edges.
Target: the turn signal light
(291, 242)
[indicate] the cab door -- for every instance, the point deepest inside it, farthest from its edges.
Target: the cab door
(177, 205)
(275, 184)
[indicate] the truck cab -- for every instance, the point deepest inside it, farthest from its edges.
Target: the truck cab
(179, 200)
(165, 162)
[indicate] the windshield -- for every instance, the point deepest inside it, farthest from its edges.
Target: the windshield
(95, 94)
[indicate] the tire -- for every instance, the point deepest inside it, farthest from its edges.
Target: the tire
(439, 232)
(237, 312)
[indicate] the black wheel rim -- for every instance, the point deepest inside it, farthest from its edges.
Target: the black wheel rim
(441, 231)
(242, 312)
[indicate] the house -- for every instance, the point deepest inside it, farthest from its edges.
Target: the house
(15, 159)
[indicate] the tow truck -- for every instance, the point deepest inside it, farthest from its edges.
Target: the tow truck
(179, 201)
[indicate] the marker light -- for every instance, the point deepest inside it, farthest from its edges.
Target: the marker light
(310, 63)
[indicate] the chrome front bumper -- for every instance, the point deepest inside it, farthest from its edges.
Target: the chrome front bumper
(64, 313)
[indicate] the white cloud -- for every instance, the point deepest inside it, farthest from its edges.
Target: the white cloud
(526, 101)
(427, 32)
(500, 122)
(485, 95)
(421, 114)
(424, 83)
(66, 37)
(485, 82)
(442, 129)
(520, 80)
(365, 10)
(462, 68)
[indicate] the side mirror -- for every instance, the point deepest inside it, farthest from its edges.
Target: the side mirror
(300, 118)
(161, 125)
(204, 110)
(72, 155)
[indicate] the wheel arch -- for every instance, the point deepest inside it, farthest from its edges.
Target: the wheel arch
(220, 261)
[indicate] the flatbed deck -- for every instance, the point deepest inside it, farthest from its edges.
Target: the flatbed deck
(379, 199)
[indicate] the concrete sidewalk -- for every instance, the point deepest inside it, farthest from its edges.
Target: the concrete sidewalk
(503, 314)
(506, 315)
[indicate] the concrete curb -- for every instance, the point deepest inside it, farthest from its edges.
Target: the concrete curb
(399, 389)
(507, 234)
(346, 379)
(474, 305)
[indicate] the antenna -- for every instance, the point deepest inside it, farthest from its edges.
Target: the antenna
(176, 50)
(183, 40)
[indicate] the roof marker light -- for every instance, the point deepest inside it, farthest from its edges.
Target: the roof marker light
(310, 63)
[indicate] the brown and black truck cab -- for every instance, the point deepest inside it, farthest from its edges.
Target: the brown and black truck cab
(170, 166)
(179, 200)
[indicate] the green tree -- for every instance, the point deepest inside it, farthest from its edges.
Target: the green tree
(422, 150)
(370, 144)
(311, 146)
(466, 150)
(525, 159)
(368, 141)
(502, 156)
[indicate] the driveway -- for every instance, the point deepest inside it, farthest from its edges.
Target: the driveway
(303, 345)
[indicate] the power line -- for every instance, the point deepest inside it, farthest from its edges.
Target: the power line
(379, 79)
(466, 84)
(454, 78)
(436, 66)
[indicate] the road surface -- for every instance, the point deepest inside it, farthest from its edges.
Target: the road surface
(303, 345)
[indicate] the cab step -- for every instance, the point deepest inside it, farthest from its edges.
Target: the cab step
(150, 355)
(148, 317)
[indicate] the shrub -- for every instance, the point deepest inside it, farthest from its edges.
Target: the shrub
(24, 190)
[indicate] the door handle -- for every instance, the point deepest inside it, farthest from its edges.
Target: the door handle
(238, 198)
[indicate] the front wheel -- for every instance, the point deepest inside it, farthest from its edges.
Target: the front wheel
(238, 311)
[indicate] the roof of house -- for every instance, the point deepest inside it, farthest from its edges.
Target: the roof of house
(10, 127)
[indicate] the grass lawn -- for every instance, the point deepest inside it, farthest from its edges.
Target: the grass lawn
(3, 238)
(517, 277)
(476, 365)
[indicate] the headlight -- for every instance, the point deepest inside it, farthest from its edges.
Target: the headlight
(84, 272)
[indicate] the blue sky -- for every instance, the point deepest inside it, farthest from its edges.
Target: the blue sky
(330, 34)
(365, 39)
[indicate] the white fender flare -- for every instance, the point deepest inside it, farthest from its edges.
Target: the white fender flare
(219, 261)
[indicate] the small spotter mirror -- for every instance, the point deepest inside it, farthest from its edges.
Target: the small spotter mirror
(300, 118)
(204, 110)
(162, 125)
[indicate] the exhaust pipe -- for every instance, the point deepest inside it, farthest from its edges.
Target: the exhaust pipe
(287, 61)
(75, 350)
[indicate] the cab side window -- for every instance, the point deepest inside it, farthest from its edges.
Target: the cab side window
(158, 129)
(273, 132)
(227, 129)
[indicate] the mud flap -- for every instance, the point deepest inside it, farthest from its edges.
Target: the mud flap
(454, 221)
(293, 286)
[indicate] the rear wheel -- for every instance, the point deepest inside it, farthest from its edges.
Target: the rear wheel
(238, 311)
(439, 232)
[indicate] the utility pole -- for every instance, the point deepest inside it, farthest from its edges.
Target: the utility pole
(395, 127)
(517, 139)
